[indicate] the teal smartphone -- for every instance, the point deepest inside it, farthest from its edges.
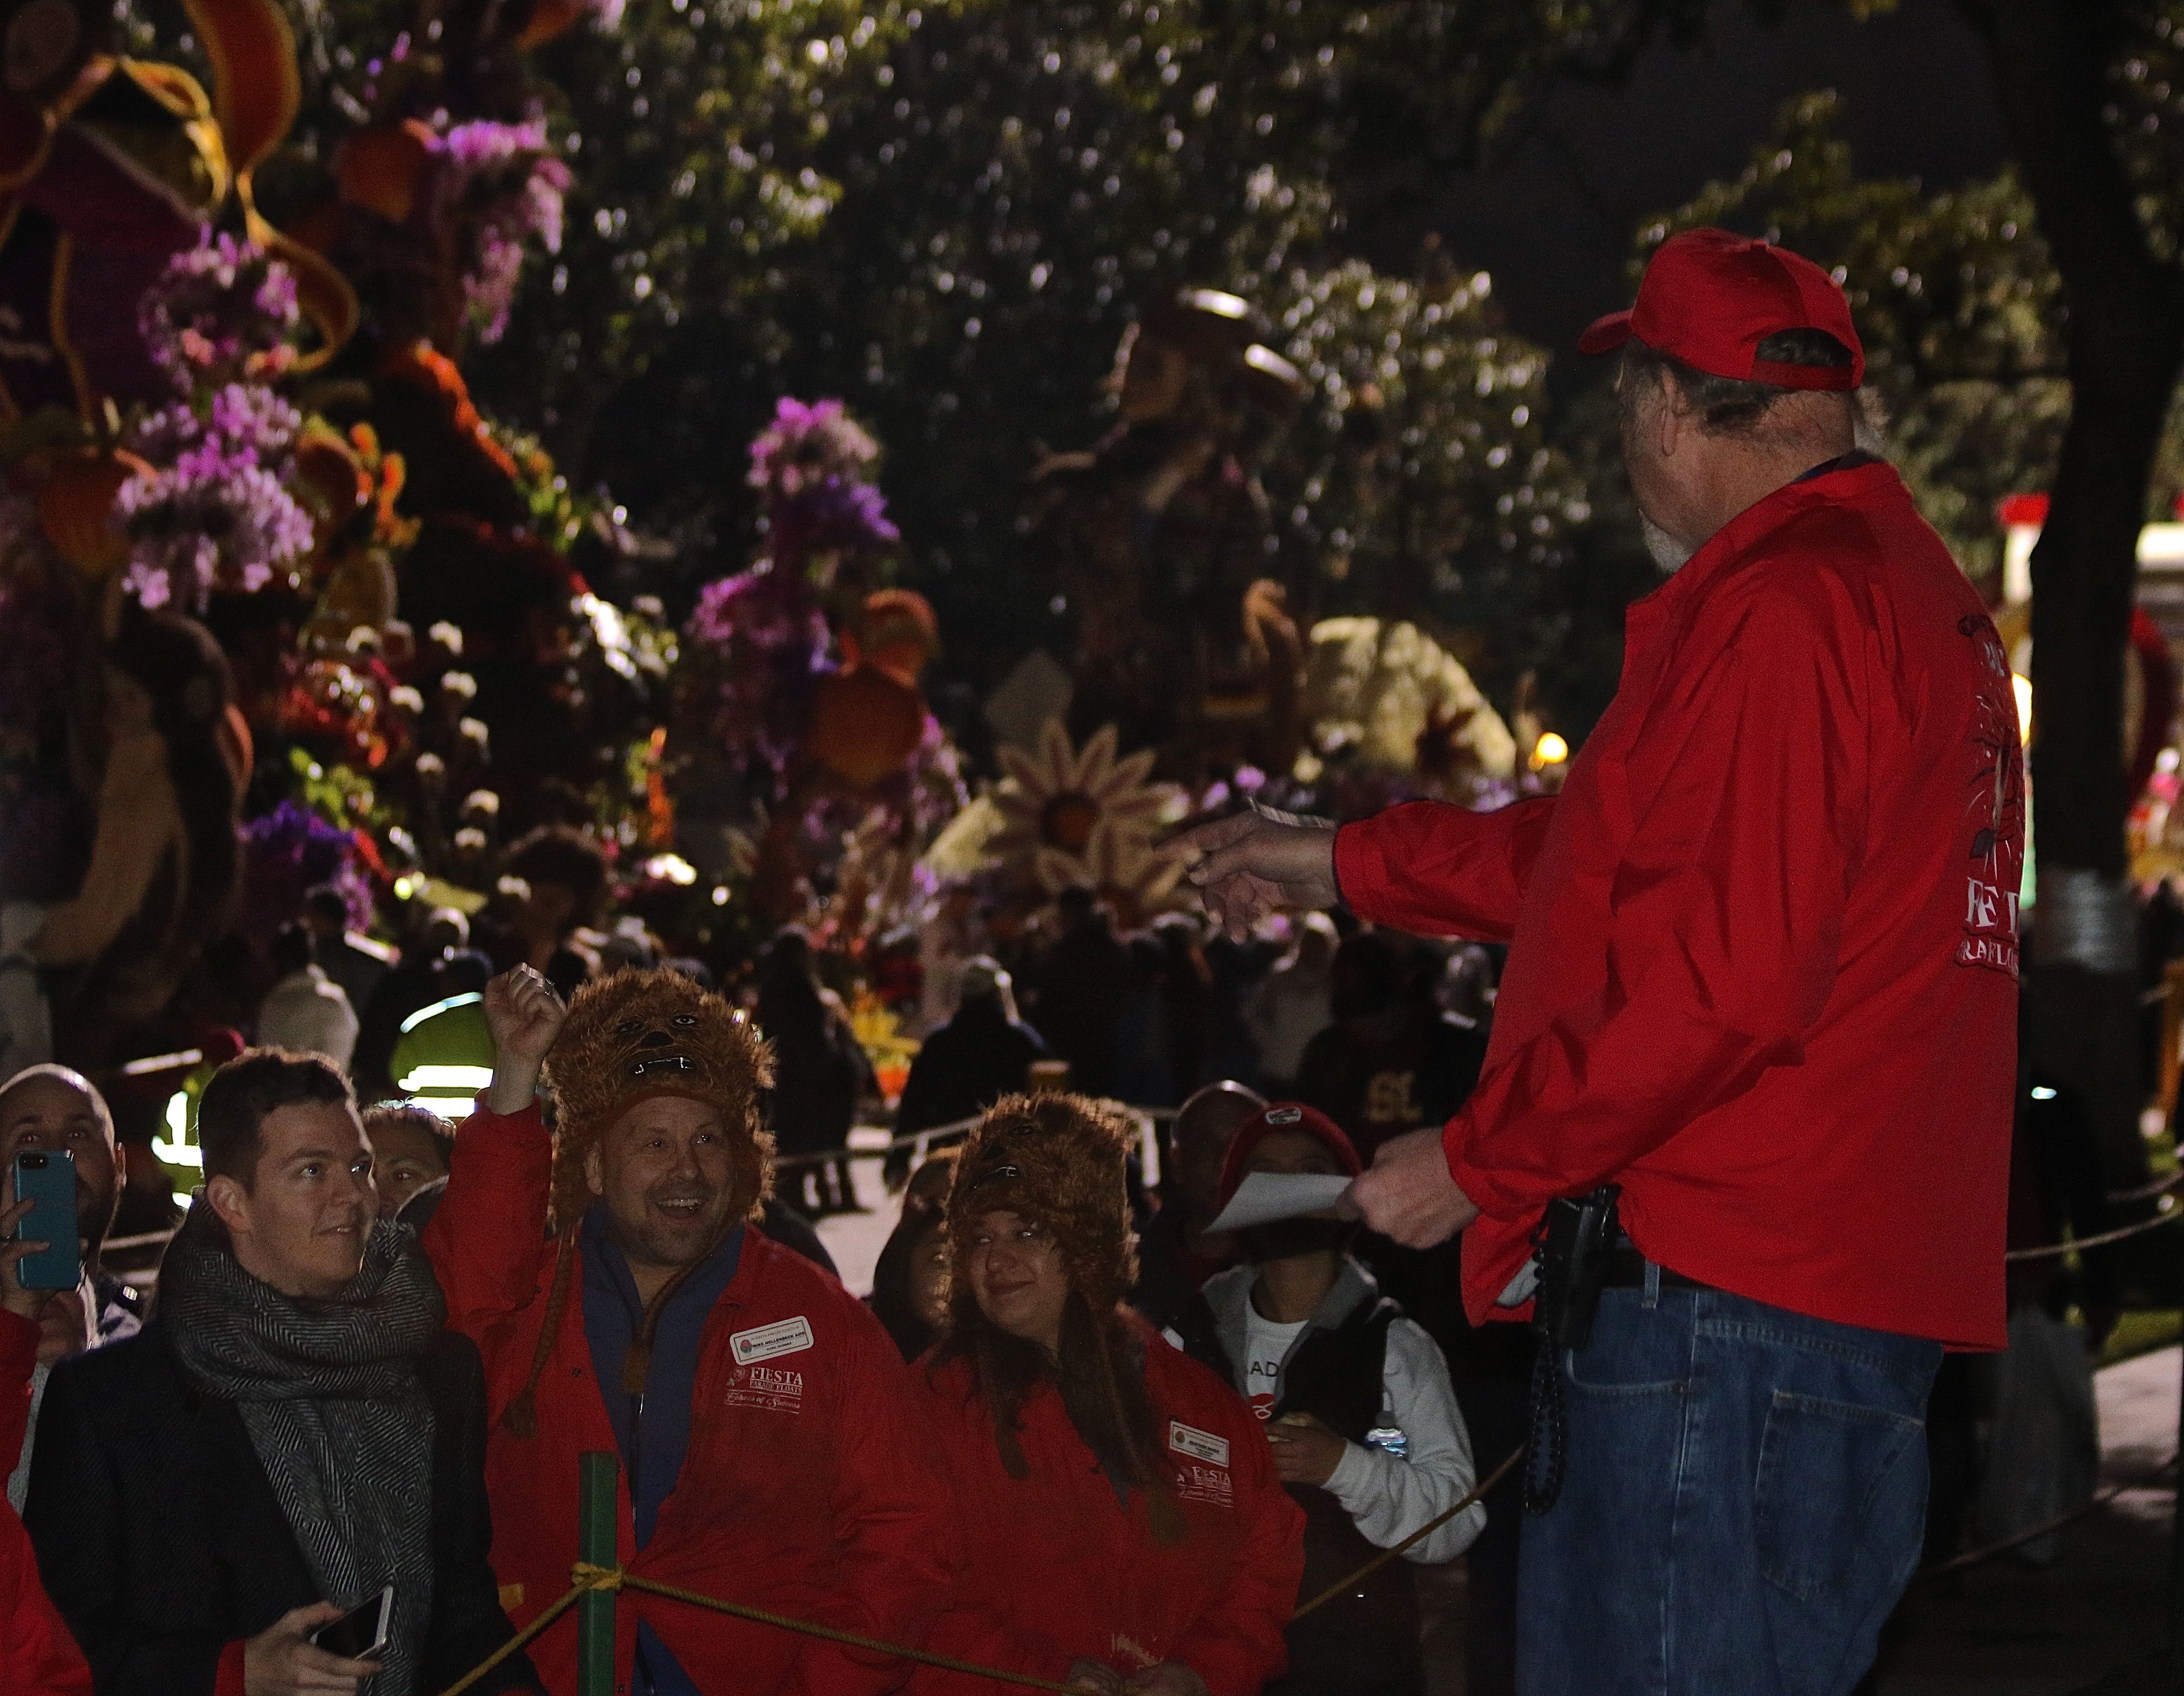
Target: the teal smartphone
(46, 1178)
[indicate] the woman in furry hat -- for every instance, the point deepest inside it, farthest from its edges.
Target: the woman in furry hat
(1121, 1524)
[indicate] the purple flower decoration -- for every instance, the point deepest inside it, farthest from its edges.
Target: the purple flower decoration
(756, 645)
(222, 311)
(809, 443)
(217, 512)
(288, 853)
(813, 461)
(497, 188)
(830, 517)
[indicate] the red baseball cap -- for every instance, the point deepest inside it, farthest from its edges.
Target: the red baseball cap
(1710, 298)
(1284, 1116)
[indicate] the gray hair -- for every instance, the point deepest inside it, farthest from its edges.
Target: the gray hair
(1730, 406)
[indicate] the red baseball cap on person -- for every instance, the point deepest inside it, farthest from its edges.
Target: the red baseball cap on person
(1284, 1115)
(1710, 298)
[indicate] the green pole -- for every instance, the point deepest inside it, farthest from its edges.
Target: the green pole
(595, 1543)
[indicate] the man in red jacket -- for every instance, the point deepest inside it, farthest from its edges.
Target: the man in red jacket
(759, 1410)
(1763, 978)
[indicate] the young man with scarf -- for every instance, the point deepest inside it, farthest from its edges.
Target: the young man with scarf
(1120, 1523)
(758, 1407)
(1364, 1422)
(293, 1432)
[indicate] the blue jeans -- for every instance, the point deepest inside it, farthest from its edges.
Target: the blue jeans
(1743, 1503)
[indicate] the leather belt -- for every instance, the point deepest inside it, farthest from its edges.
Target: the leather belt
(1626, 1270)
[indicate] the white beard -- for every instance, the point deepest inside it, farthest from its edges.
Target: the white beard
(1668, 553)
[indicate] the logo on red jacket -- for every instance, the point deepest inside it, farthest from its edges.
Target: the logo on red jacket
(1202, 1475)
(1994, 809)
(773, 1389)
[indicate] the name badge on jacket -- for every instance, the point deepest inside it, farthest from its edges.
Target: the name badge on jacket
(767, 1341)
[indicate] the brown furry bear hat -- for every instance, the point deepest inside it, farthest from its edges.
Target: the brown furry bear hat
(628, 1037)
(1058, 1160)
(635, 1035)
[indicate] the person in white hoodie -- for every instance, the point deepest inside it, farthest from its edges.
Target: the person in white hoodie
(305, 1012)
(1366, 1430)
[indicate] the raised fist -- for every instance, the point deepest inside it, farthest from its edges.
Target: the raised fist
(525, 1016)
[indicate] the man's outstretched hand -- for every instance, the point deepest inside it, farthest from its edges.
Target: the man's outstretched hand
(1251, 867)
(1408, 1196)
(525, 1016)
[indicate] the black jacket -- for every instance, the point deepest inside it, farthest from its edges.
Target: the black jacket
(966, 1065)
(161, 1541)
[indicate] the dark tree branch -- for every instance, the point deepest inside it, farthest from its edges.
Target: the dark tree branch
(2051, 60)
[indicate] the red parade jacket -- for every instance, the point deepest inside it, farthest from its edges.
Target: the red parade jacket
(1055, 1567)
(38, 1656)
(1762, 970)
(804, 1490)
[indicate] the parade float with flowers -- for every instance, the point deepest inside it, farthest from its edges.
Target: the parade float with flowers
(287, 611)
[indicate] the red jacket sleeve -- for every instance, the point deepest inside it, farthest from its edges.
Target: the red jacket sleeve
(1236, 1645)
(18, 1360)
(1725, 908)
(37, 1655)
(487, 1238)
(890, 1515)
(1439, 870)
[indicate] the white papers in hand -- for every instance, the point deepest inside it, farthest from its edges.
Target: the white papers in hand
(1265, 1197)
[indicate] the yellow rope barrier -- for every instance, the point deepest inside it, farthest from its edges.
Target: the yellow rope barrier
(854, 1640)
(587, 1578)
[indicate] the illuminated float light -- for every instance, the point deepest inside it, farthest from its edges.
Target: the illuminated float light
(671, 868)
(446, 1080)
(181, 1058)
(437, 1008)
(451, 1092)
(2022, 688)
(176, 1149)
(1550, 749)
(2042, 1092)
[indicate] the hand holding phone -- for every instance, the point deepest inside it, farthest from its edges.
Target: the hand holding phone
(360, 1634)
(14, 1299)
(282, 1660)
(46, 1179)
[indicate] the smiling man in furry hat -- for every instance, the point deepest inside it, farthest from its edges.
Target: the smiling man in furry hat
(1122, 1527)
(758, 1408)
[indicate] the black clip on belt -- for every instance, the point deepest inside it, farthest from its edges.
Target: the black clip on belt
(1571, 1247)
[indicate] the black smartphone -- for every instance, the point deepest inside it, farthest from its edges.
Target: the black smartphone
(360, 1634)
(46, 1178)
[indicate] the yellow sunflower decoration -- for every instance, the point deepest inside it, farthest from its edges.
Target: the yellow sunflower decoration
(1083, 816)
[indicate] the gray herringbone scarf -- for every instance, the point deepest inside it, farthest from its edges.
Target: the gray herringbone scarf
(329, 1393)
